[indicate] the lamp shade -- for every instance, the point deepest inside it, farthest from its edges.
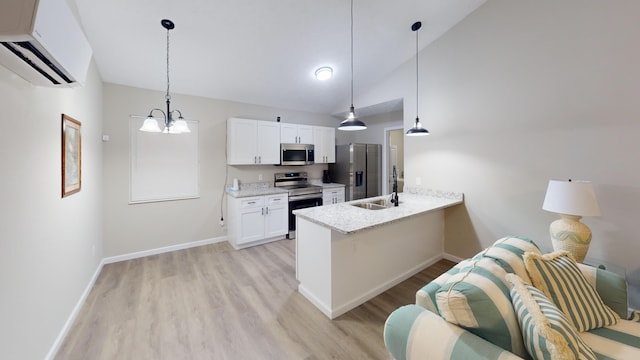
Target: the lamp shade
(571, 198)
(150, 125)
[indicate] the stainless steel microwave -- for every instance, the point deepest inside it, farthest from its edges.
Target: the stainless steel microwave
(296, 154)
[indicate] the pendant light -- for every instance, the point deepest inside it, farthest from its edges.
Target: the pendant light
(171, 126)
(351, 123)
(417, 129)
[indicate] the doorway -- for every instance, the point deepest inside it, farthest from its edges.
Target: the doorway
(394, 154)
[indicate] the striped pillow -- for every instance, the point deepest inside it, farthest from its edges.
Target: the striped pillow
(545, 329)
(558, 277)
(477, 299)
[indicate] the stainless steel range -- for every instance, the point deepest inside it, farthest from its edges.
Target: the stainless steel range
(301, 194)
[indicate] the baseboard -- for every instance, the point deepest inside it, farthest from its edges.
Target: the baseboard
(452, 258)
(74, 314)
(76, 310)
(166, 249)
(315, 301)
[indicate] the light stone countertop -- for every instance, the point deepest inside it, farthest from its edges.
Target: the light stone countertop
(255, 189)
(346, 219)
(331, 185)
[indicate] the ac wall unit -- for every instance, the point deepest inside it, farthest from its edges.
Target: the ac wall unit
(41, 41)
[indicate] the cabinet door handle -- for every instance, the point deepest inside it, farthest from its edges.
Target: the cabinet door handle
(267, 213)
(260, 159)
(262, 211)
(255, 159)
(251, 202)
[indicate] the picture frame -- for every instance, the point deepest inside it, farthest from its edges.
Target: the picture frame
(71, 155)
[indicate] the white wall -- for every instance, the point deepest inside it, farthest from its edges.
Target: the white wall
(132, 228)
(374, 133)
(521, 92)
(46, 242)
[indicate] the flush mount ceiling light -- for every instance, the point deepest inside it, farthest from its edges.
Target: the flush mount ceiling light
(324, 73)
(417, 129)
(171, 126)
(351, 123)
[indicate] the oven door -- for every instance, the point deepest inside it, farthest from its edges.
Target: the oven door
(301, 202)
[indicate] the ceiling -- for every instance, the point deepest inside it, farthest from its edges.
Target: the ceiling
(262, 52)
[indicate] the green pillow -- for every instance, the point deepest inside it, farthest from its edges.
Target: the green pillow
(546, 332)
(557, 275)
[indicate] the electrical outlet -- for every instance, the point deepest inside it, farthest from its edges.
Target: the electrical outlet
(221, 222)
(259, 177)
(418, 180)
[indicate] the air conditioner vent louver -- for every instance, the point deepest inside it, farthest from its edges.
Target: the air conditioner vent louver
(43, 42)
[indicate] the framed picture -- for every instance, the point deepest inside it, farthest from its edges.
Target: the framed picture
(71, 156)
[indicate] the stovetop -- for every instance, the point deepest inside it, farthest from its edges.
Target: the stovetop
(303, 189)
(296, 183)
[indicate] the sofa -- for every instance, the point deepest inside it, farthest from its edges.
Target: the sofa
(510, 301)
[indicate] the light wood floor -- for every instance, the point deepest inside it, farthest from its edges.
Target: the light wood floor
(213, 302)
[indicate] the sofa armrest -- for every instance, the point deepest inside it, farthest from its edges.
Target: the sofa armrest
(634, 315)
(412, 332)
(611, 287)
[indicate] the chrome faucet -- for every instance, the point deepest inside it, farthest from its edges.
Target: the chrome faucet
(394, 194)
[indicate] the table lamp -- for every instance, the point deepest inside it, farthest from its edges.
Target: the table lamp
(571, 200)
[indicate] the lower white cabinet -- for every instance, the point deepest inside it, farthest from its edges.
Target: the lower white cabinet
(257, 220)
(332, 195)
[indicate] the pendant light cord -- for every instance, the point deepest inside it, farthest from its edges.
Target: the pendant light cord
(351, 53)
(417, 77)
(168, 97)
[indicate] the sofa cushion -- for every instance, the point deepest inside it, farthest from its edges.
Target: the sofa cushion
(619, 341)
(426, 296)
(477, 299)
(508, 253)
(558, 277)
(545, 329)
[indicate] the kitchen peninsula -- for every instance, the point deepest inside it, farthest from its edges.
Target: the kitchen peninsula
(348, 253)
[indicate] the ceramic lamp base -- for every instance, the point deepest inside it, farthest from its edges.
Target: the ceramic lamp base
(569, 234)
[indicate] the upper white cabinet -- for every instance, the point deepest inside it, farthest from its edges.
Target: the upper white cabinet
(252, 142)
(296, 134)
(324, 140)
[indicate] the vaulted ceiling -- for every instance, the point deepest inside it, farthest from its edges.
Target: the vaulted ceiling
(262, 52)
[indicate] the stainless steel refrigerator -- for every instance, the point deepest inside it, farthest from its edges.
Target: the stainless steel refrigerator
(359, 167)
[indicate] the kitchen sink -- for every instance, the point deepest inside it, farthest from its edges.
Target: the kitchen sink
(374, 204)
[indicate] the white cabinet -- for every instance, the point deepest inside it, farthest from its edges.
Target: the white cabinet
(276, 215)
(333, 195)
(257, 220)
(324, 140)
(252, 142)
(296, 134)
